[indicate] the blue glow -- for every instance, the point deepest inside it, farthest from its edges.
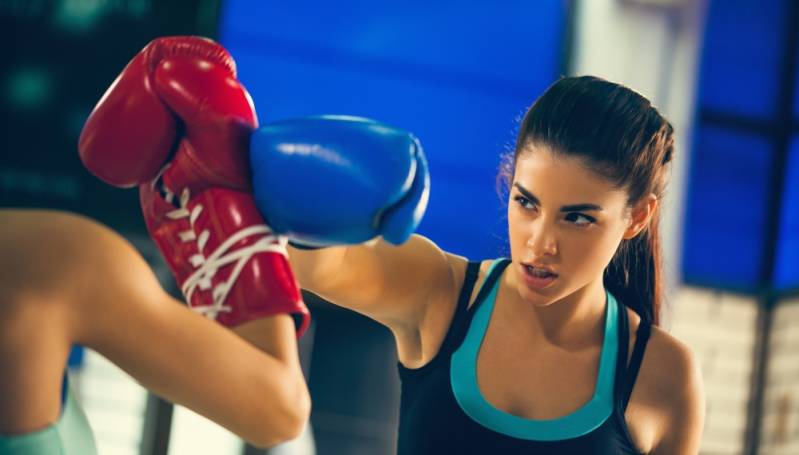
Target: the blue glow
(786, 273)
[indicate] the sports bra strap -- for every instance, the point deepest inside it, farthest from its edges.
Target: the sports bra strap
(497, 267)
(641, 337)
(451, 339)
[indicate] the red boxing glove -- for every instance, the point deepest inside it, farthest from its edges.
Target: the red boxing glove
(197, 204)
(130, 134)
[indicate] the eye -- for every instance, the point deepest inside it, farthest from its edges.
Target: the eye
(579, 219)
(524, 202)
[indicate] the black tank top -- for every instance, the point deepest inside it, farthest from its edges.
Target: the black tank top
(432, 422)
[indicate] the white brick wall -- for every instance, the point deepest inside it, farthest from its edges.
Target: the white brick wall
(195, 434)
(720, 328)
(779, 434)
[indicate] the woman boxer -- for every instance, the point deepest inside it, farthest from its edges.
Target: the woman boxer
(556, 349)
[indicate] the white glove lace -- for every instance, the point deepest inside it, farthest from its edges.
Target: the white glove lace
(207, 266)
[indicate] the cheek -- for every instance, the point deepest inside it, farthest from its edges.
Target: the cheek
(592, 251)
(515, 226)
(587, 249)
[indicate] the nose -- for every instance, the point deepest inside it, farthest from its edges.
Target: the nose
(542, 242)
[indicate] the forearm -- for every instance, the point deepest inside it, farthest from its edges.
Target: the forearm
(248, 380)
(74, 281)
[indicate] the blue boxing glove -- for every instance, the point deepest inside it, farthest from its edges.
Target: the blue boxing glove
(334, 180)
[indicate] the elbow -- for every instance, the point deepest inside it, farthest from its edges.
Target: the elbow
(291, 411)
(297, 412)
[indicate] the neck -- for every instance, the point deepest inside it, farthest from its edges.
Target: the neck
(574, 322)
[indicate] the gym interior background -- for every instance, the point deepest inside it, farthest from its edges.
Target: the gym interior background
(458, 74)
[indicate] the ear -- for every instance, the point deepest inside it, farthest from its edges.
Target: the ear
(640, 215)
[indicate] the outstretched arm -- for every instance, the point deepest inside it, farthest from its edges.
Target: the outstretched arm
(390, 284)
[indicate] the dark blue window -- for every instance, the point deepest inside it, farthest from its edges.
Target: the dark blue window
(746, 112)
(744, 41)
(727, 209)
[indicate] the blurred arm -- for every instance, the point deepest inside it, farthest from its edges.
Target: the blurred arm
(79, 282)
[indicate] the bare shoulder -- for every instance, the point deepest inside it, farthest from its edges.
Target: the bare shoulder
(439, 311)
(458, 266)
(674, 384)
(420, 341)
(673, 361)
(38, 246)
(56, 268)
(27, 228)
(56, 256)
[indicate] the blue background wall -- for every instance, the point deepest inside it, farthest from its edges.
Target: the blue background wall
(459, 85)
(742, 225)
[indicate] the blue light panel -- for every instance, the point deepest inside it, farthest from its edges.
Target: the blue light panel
(726, 217)
(786, 273)
(743, 46)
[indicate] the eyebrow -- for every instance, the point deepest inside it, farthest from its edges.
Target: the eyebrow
(565, 208)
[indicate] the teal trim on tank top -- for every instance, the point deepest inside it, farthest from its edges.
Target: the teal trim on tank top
(463, 377)
(69, 435)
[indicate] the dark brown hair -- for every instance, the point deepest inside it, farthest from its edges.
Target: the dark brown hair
(620, 135)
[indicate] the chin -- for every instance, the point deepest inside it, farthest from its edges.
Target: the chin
(536, 297)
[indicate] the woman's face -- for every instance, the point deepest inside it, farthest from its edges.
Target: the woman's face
(565, 221)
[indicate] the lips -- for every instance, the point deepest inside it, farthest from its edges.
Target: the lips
(537, 276)
(540, 269)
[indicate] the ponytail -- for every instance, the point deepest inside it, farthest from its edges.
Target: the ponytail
(634, 275)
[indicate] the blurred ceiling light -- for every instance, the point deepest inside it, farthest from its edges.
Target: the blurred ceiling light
(28, 88)
(79, 15)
